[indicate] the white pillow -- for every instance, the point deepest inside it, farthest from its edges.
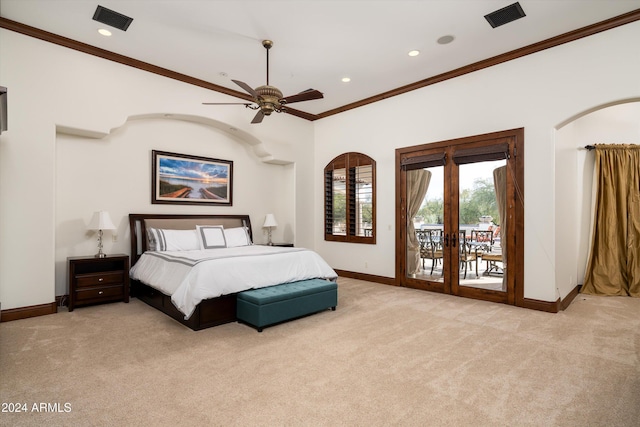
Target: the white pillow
(172, 240)
(238, 236)
(211, 236)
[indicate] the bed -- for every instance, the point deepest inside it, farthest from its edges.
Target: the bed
(197, 287)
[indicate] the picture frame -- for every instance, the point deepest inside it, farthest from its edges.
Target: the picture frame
(191, 180)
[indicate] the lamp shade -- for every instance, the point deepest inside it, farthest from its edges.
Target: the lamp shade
(101, 221)
(270, 221)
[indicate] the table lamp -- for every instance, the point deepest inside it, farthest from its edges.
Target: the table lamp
(101, 221)
(269, 223)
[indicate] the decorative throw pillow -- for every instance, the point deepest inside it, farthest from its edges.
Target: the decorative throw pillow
(211, 236)
(238, 236)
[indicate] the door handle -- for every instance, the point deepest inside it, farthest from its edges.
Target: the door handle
(446, 240)
(453, 240)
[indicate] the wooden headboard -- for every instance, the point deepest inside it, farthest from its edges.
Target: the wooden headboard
(138, 223)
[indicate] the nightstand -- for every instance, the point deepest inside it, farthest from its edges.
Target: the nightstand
(96, 280)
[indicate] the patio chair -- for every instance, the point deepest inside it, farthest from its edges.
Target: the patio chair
(482, 236)
(430, 246)
(467, 256)
(493, 258)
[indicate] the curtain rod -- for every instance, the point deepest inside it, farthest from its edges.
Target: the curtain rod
(593, 147)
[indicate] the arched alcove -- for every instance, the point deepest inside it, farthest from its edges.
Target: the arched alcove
(111, 170)
(610, 123)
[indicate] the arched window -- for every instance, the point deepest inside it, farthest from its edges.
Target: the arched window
(350, 199)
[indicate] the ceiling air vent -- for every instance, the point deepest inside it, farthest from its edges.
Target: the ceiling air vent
(505, 15)
(112, 18)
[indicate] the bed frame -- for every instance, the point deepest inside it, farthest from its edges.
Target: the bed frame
(208, 313)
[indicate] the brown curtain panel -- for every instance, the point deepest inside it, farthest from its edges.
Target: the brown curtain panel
(614, 261)
(417, 185)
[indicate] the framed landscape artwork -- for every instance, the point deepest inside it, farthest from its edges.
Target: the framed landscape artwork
(192, 180)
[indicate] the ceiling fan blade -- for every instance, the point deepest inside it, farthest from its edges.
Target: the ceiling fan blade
(258, 118)
(246, 87)
(306, 95)
(227, 103)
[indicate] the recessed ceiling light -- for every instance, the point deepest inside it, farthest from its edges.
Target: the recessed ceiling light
(104, 32)
(346, 79)
(414, 52)
(445, 39)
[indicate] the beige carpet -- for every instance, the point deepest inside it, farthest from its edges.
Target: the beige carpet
(386, 356)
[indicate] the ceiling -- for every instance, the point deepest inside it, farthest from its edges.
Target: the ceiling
(316, 42)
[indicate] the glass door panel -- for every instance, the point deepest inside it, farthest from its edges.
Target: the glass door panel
(461, 216)
(425, 224)
(480, 247)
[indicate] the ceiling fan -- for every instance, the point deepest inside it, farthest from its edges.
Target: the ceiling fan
(267, 99)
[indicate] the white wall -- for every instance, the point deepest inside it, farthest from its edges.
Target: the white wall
(567, 211)
(81, 131)
(574, 183)
(536, 92)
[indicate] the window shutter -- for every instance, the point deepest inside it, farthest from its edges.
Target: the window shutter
(354, 200)
(328, 201)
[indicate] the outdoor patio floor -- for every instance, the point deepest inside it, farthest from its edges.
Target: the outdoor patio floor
(491, 280)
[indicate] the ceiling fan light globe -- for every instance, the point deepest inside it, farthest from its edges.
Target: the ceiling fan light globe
(268, 108)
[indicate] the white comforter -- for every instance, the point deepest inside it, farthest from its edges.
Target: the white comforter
(192, 276)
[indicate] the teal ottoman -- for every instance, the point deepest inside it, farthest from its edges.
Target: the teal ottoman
(275, 304)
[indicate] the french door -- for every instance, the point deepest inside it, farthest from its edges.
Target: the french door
(460, 216)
